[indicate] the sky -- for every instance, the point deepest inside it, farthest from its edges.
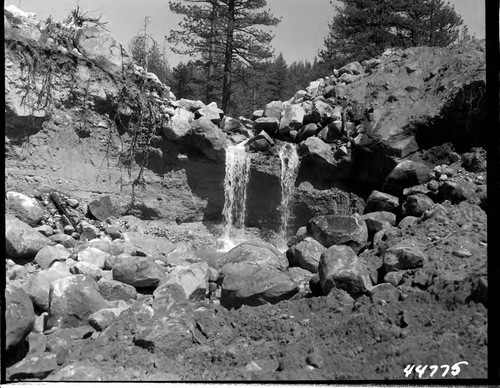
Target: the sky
(299, 36)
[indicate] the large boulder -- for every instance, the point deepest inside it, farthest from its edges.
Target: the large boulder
(48, 254)
(149, 245)
(211, 112)
(192, 279)
(24, 208)
(406, 254)
(180, 124)
(339, 230)
(208, 139)
(114, 290)
(254, 253)
(100, 47)
(274, 109)
(318, 151)
(416, 204)
(93, 256)
(19, 315)
(457, 192)
(38, 286)
(406, 174)
(340, 267)
(20, 25)
(34, 366)
(21, 240)
(138, 271)
(293, 119)
(377, 221)
(379, 201)
(306, 254)
(268, 124)
(253, 284)
(72, 300)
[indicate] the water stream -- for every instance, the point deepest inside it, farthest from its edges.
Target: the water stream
(235, 195)
(289, 169)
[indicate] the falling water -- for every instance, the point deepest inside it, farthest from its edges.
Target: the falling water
(235, 193)
(289, 169)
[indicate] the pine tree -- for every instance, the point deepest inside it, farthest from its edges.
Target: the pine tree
(276, 79)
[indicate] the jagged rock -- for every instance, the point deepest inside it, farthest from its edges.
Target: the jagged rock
(274, 109)
(193, 279)
(24, 208)
(254, 253)
(307, 131)
(19, 315)
(138, 271)
(84, 268)
(115, 290)
(72, 300)
(257, 114)
(377, 221)
(301, 234)
(48, 254)
(33, 366)
(20, 25)
(46, 230)
(379, 201)
(339, 230)
(59, 341)
(416, 205)
(385, 292)
(102, 208)
(306, 254)
(353, 68)
(21, 240)
(37, 343)
(254, 284)
(149, 245)
(340, 267)
(101, 319)
(63, 239)
(100, 47)
(93, 256)
(457, 192)
(317, 150)
(208, 139)
(322, 113)
(475, 161)
(103, 245)
(293, 119)
(315, 285)
(407, 222)
(190, 105)
(210, 112)
(267, 124)
(180, 124)
(394, 278)
(262, 142)
(404, 255)
(332, 132)
(38, 286)
(406, 174)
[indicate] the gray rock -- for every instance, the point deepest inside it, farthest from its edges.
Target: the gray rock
(84, 268)
(254, 253)
(46, 230)
(262, 142)
(353, 68)
(315, 285)
(407, 222)
(93, 256)
(301, 233)
(19, 315)
(37, 343)
(72, 300)
(377, 221)
(257, 114)
(293, 119)
(21, 240)
(318, 151)
(24, 208)
(102, 208)
(63, 239)
(415, 205)
(394, 278)
(379, 201)
(307, 131)
(101, 319)
(138, 271)
(33, 366)
(385, 292)
(254, 285)
(406, 174)
(332, 132)
(306, 254)
(180, 124)
(193, 279)
(274, 109)
(457, 192)
(149, 245)
(269, 125)
(38, 286)
(190, 105)
(339, 230)
(340, 267)
(404, 255)
(208, 139)
(211, 112)
(48, 254)
(115, 290)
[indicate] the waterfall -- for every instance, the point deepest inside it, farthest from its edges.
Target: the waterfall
(235, 193)
(289, 169)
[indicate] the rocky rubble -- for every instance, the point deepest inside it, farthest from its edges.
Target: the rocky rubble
(388, 262)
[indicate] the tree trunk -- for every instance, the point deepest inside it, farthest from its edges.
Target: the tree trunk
(228, 58)
(210, 89)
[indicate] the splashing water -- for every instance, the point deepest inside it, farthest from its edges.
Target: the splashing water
(235, 194)
(289, 169)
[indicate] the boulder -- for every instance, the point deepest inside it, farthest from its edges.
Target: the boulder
(190, 105)
(193, 279)
(253, 284)
(406, 174)
(377, 221)
(33, 366)
(72, 300)
(21, 240)
(148, 245)
(293, 119)
(257, 114)
(353, 68)
(88, 231)
(269, 125)
(180, 124)
(457, 192)
(19, 316)
(475, 161)
(379, 201)
(407, 222)
(404, 255)
(63, 239)
(24, 208)
(340, 267)
(100, 47)
(208, 139)
(102, 208)
(210, 112)
(101, 319)
(93, 256)
(307, 131)
(48, 254)
(138, 271)
(274, 109)
(115, 290)
(46, 230)
(415, 205)
(84, 268)
(322, 113)
(262, 142)
(306, 254)
(257, 253)
(386, 292)
(339, 230)
(38, 286)
(332, 132)
(318, 152)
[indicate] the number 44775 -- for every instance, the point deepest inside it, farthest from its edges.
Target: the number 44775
(421, 369)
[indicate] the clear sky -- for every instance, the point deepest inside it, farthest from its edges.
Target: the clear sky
(299, 36)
